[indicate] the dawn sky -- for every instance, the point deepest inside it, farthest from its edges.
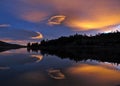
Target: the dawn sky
(22, 21)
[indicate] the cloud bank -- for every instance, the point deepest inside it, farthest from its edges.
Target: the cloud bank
(65, 16)
(81, 14)
(19, 36)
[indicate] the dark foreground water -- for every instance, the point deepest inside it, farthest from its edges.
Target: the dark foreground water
(21, 68)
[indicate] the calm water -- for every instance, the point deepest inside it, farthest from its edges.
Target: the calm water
(21, 68)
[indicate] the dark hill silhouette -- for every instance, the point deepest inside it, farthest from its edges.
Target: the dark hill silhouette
(6, 46)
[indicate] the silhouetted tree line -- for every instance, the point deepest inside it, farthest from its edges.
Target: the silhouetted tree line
(103, 47)
(33, 45)
(102, 39)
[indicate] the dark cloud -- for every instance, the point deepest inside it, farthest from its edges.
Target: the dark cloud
(17, 35)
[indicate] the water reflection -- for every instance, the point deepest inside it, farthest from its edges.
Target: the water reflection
(31, 78)
(4, 68)
(14, 51)
(39, 57)
(95, 75)
(22, 68)
(32, 50)
(18, 57)
(56, 74)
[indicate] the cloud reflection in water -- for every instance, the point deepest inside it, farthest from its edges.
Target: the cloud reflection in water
(56, 74)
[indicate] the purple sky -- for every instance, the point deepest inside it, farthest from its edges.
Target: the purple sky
(22, 21)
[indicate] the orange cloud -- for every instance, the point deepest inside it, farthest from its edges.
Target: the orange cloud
(56, 20)
(39, 36)
(96, 23)
(81, 14)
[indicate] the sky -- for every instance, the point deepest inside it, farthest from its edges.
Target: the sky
(23, 21)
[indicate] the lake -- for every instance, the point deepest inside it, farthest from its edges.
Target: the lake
(22, 68)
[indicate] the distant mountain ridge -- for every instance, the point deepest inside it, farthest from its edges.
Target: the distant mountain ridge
(6, 46)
